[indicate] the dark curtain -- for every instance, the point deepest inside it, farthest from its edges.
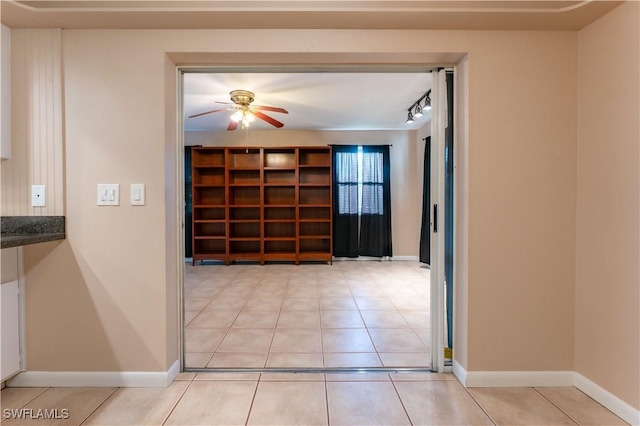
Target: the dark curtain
(345, 200)
(375, 217)
(425, 230)
(448, 213)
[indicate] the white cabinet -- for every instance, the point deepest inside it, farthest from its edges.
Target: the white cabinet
(10, 313)
(10, 330)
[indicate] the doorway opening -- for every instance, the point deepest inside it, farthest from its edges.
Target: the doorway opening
(314, 316)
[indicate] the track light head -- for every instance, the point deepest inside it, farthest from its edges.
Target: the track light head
(410, 118)
(417, 112)
(427, 103)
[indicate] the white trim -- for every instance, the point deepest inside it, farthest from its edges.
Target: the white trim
(412, 258)
(460, 373)
(137, 379)
(498, 379)
(494, 379)
(620, 408)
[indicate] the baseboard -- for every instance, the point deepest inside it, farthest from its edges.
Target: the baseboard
(132, 379)
(369, 258)
(460, 373)
(495, 379)
(617, 406)
(502, 379)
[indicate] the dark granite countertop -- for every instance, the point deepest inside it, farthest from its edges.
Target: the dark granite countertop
(24, 230)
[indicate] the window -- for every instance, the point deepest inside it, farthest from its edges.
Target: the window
(362, 209)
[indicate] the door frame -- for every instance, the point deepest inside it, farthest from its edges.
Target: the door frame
(436, 309)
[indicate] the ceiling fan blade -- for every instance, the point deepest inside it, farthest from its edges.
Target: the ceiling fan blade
(232, 125)
(207, 112)
(268, 119)
(226, 103)
(270, 108)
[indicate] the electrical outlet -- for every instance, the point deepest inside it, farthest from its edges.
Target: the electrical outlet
(38, 198)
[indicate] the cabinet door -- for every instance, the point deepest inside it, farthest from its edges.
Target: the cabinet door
(10, 327)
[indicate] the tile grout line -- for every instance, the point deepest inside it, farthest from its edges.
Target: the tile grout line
(255, 392)
(178, 401)
(326, 400)
(275, 327)
(99, 405)
(552, 403)
(393, 383)
(486, 413)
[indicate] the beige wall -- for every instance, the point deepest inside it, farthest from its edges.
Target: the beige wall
(406, 171)
(608, 232)
(37, 128)
(108, 283)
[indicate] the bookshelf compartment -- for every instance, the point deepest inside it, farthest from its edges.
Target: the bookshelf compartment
(244, 230)
(208, 176)
(315, 195)
(241, 195)
(244, 177)
(280, 195)
(315, 157)
(216, 229)
(277, 247)
(280, 177)
(207, 157)
(315, 213)
(280, 230)
(315, 229)
(244, 213)
(208, 213)
(315, 245)
(244, 158)
(315, 175)
(208, 196)
(206, 247)
(245, 248)
(280, 157)
(279, 213)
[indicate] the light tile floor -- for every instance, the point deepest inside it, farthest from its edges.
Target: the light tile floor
(349, 314)
(307, 399)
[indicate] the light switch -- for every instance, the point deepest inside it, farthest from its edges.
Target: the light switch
(137, 194)
(108, 194)
(38, 196)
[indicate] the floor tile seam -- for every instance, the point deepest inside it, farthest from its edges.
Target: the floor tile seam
(486, 413)
(555, 405)
(406, 412)
(32, 399)
(255, 392)
(99, 405)
(166, 418)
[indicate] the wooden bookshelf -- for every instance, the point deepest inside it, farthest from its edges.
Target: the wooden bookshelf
(262, 204)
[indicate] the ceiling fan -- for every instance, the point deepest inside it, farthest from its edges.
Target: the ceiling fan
(244, 112)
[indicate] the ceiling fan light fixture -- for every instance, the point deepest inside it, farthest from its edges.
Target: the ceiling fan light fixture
(237, 116)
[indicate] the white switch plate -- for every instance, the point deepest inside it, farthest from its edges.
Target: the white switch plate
(108, 194)
(38, 196)
(137, 194)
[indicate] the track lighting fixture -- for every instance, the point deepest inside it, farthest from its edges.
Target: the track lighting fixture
(416, 110)
(410, 118)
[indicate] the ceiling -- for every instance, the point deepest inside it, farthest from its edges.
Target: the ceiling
(318, 101)
(328, 100)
